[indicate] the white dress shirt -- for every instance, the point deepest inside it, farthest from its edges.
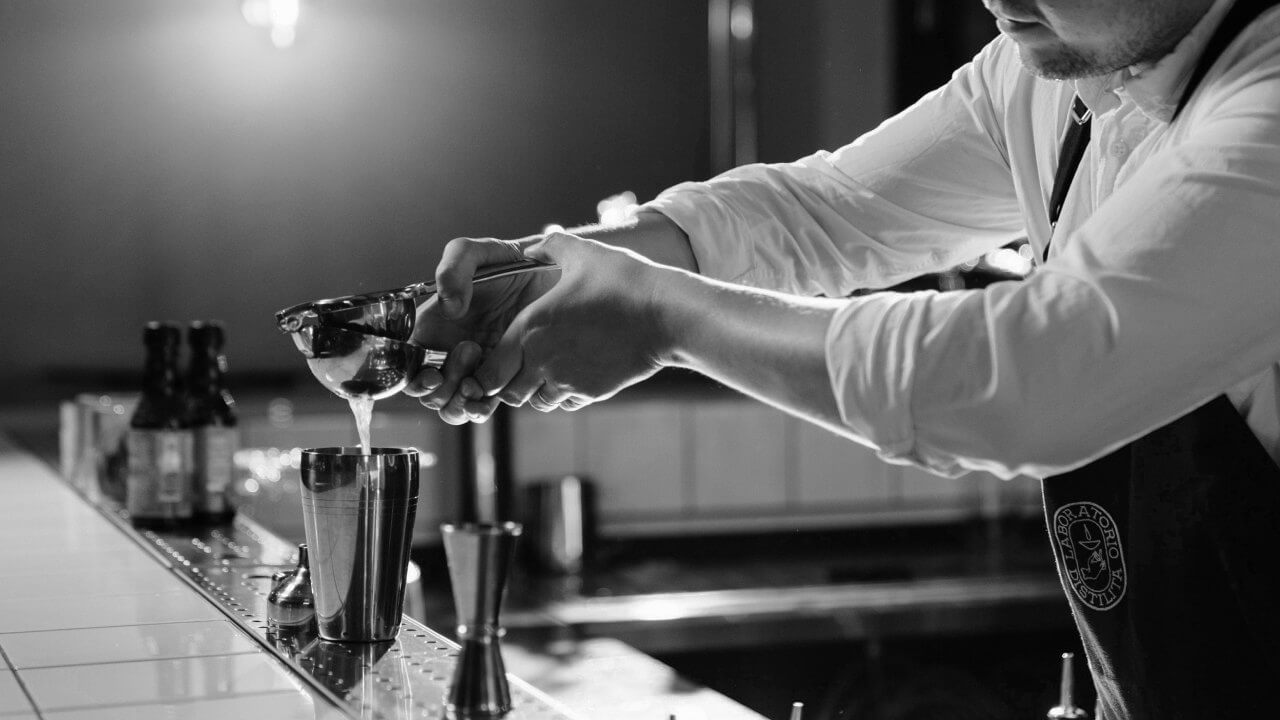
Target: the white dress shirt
(1161, 291)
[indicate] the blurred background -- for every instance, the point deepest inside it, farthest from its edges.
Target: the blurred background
(174, 160)
(223, 159)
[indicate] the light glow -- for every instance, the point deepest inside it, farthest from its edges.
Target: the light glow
(617, 209)
(742, 21)
(282, 36)
(280, 413)
(279, 17)
(1009, 260)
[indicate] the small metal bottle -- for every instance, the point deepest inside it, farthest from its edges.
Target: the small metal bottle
(1066, 708)
(291, 603)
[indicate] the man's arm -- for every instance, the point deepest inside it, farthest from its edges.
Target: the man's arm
(768, 345)
(649, 234)
(614, 318)
(1165, 298)
(927, 190)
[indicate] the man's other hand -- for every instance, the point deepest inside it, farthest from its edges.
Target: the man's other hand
(592, 334)
(467, 319)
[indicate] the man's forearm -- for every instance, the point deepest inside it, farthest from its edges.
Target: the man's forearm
(768, 345)
(650, 234)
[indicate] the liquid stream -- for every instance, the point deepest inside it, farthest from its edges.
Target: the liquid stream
(362, 409)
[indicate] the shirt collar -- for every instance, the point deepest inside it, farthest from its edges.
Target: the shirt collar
(1155, 87)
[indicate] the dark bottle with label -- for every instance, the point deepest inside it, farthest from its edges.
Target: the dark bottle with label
(212, 418)
(158, 488)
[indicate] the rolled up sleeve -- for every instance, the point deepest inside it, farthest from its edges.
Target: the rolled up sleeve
(1166, 297)
(928, 189)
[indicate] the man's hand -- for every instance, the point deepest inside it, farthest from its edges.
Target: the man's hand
(611, 318)
(467, 320)
(595, 332)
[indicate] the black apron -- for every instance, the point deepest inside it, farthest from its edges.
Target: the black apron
(1167, 548)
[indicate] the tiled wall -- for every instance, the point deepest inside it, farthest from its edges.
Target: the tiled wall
(672, 465)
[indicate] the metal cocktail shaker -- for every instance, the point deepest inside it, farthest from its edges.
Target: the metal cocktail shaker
(358, 510)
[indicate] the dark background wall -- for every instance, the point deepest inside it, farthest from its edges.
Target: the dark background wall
(161, 160)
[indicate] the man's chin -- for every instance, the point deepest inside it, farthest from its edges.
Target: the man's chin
(1058, 63)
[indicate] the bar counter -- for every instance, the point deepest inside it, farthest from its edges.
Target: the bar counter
(92, 626)
(101, 620)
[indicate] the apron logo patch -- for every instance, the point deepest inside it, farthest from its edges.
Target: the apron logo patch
(1088, 544)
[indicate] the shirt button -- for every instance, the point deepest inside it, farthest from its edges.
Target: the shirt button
(1119, 148)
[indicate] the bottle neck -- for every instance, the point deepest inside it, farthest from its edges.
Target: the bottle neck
(205, 375)
(160, 377)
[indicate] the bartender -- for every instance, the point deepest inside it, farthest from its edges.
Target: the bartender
(1136, 145)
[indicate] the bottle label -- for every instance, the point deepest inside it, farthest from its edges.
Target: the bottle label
(215, 449)
(160, 480)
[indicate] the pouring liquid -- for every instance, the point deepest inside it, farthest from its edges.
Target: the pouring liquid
(362, 409)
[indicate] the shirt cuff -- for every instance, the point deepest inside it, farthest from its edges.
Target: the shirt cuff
(710, 223)
(869, 365)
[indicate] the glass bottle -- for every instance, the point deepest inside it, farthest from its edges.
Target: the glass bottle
(212, 417)
(158, 488)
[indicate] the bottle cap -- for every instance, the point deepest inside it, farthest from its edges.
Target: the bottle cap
(161, 334)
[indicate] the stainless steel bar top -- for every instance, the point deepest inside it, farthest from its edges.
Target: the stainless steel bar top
(92, 627)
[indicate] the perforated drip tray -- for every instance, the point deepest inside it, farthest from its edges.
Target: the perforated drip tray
(232, 564)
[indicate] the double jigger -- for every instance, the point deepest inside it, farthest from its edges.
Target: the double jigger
(358, 511)
(479, 557)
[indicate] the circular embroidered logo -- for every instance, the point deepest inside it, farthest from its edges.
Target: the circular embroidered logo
(1088, 544)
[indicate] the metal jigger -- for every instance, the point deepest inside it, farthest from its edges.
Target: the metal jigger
(479, 557)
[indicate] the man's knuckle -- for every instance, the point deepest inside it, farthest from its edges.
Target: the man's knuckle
(456, 248)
